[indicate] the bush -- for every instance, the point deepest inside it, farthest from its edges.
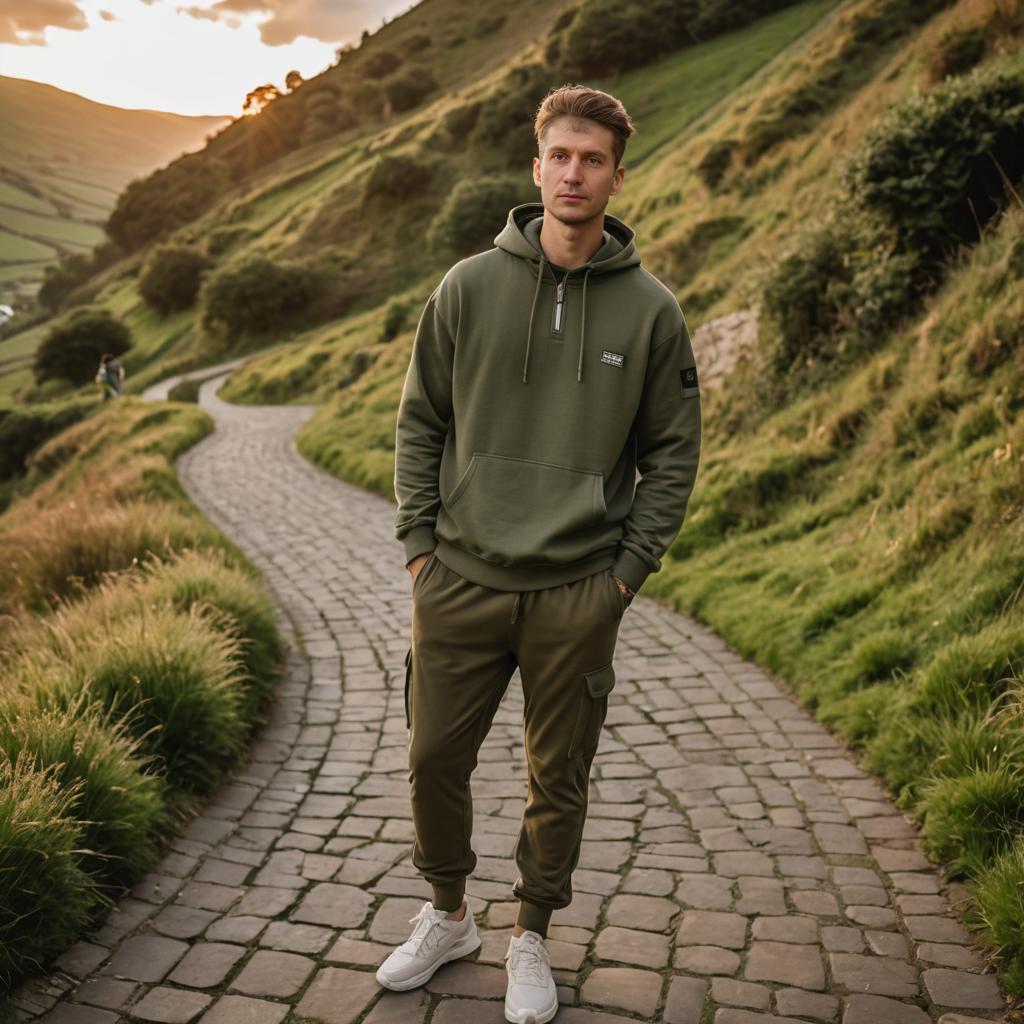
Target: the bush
(393, 323)
(715, 163)
(72, 349)
(92, 756)
(381, 63)
(959, 50)
(504, 126)
(171, 276)
(45, 897)
(185, 391)
(393, 175)
(24, 428)
(175, 681)
(929, 168)
(406, 89)
(258, 294)
(473, 213)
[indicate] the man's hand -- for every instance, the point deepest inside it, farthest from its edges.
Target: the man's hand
(625, 589)
(416, 564)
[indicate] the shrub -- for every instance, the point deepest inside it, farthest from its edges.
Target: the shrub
(504, 127)
(170, 676)
(715, 163)
(168, 198)
(392, 175)
(171, 276)
(45, 897)
(185, 391)
(381, 63)
(258, 294)
(929, 168)
(25, 428)
(406, 89)
(473, 213)
(393, 323)
(117, 800)
(959, 50)
(72, 349)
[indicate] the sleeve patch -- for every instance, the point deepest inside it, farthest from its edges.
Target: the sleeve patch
(688, 382)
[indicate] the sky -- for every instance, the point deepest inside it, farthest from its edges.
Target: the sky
(184, 56)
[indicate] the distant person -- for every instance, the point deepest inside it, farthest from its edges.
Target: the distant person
(110, 377)
(544, 373)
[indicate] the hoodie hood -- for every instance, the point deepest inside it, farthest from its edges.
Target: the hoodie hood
(521, 237)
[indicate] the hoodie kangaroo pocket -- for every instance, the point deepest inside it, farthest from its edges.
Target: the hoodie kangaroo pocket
(523, 512)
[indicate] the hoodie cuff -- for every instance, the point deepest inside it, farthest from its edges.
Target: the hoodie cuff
(630, 569)
(420, 540)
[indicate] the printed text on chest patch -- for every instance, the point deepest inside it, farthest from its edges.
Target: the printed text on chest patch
(613, 358)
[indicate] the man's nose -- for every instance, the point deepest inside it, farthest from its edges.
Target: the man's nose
(574, 170)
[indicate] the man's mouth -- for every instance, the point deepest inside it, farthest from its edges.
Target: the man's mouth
(572, 195)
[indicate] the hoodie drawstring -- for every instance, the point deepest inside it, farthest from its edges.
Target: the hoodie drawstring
(533, 309)
(583, 325)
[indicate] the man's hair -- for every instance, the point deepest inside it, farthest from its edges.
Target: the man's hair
(582, 101)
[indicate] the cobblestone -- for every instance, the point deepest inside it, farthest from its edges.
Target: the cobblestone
(737, 866)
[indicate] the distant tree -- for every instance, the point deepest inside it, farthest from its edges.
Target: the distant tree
(171, 277)
(293, 80)
(60, 279)
(72, 349)
(260, 98)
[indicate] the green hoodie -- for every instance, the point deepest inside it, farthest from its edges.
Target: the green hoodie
(533, 396)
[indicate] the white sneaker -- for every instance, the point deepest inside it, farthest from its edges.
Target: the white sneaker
(531, 997)
(435, 940)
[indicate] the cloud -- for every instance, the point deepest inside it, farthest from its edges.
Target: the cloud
(330, 21)
(23, 22)
(108, 16)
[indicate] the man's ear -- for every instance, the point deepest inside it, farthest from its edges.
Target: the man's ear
(617, 178)
(536, 171)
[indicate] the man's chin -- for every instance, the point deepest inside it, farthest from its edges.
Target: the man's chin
(571, 213)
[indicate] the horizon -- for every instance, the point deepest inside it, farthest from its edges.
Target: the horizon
(181, 50)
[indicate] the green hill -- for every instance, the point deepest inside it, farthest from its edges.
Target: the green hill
(65, 160)
(845, 174)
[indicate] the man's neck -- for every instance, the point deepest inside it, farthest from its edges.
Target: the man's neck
(570, 245)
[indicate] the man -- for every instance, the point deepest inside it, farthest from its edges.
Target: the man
(544, 373)
(110, 377)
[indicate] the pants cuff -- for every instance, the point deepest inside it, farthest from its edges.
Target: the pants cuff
(449, 897)
(534, 918)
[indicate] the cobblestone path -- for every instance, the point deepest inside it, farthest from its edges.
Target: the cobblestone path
(737, 867)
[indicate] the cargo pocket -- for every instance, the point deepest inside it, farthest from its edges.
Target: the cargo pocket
(408, 676)
(592, 711)
(524, 512)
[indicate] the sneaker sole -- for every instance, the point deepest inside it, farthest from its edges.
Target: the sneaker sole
(531, 1016)
(467, 946)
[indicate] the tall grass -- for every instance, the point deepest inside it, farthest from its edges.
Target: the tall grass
(113, 792)
(174, 681)
(45, 895)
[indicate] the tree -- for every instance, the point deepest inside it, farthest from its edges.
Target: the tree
(260, 98)
(171, 277)
(72, 349)
(293, 80)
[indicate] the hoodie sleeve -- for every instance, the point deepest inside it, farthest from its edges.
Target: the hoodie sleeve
(668, 430)
(424, 413)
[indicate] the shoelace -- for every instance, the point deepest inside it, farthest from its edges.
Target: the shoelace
(529, 962)
(424, 937)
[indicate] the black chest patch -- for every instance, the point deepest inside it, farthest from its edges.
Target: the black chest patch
(613, 358)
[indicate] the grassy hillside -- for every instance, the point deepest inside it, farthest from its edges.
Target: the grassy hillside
(65, 160)
(856, 524)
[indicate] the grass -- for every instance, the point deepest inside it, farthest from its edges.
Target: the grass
(138, 649)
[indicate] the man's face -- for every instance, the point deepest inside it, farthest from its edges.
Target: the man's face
(576, 172)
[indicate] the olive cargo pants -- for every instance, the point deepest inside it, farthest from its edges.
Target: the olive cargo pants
(467, 640)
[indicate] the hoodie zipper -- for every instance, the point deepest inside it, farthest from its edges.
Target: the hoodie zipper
(559, 310)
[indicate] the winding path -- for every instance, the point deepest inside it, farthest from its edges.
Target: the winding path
(737, 866)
